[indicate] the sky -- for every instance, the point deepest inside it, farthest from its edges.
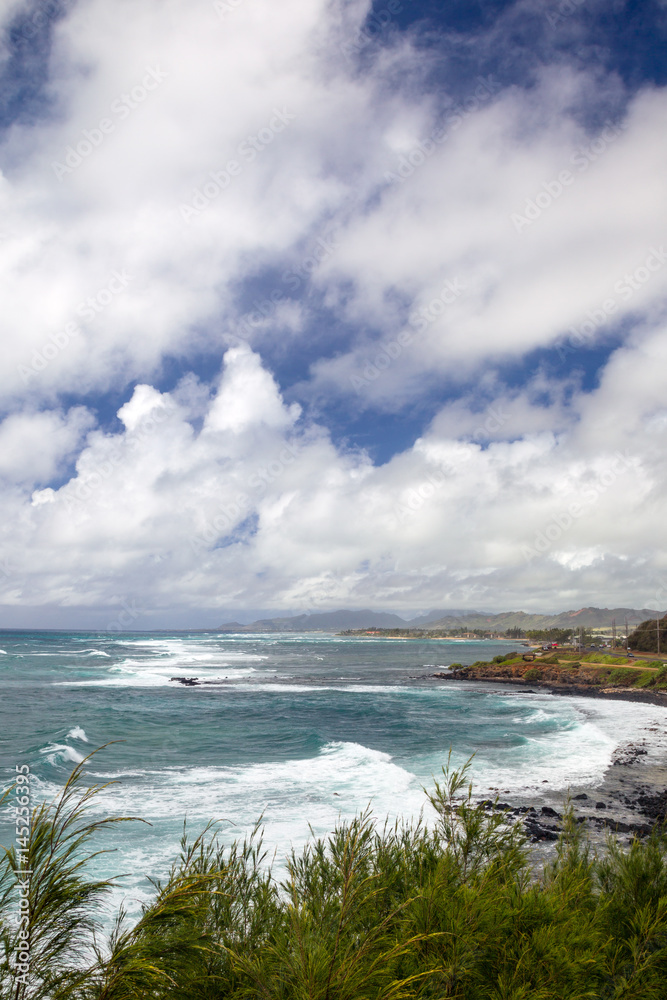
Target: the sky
(327, 304)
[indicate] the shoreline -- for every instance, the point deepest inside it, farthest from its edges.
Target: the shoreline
(629, 801)
(569, 690)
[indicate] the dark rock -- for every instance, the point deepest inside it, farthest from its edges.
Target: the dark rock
(581, 797)
(654, 805)
(548, 811)
(600, 805)
(537, 832)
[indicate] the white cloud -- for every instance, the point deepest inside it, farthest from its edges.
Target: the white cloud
(195, 152)
(33, 446)
(256, 510)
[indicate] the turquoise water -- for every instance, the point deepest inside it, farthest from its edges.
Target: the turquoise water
(301, 729)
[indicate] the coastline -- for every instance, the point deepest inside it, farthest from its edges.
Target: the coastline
(629, 801)
(570, 690)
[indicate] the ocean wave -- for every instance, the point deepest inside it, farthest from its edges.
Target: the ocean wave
(58, 754)
(77, 733)
(123, 677)
(351, 772)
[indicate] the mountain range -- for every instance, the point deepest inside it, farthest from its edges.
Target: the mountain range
(336, 621)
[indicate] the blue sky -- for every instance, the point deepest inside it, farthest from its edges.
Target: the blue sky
(416, 245)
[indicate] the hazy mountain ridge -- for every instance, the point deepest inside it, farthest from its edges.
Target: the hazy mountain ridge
(333, 621)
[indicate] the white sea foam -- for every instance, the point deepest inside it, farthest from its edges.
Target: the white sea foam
(77, 733)
(577, 751)
(166, 658)
(341, 780)
(58, 753)
(293, 796)
(142, 677)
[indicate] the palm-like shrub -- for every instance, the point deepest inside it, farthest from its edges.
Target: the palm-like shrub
(446, 909)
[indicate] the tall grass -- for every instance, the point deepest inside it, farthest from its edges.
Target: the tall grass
(368, 913)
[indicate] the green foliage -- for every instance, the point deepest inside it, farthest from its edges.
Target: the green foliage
(533, 675)
(645, 679)
(645, 637)
(603, 658)
(455, 665)
(550, 634)
(623, 676)
(451, 909)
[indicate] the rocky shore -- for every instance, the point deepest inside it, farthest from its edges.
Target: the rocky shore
(646, 697)
(630, 801)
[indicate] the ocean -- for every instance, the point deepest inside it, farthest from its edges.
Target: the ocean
(299, 729)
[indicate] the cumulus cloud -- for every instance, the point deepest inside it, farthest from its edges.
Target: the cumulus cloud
(258, 507)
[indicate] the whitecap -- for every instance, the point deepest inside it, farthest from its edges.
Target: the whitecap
(77, 733)
(57, 753)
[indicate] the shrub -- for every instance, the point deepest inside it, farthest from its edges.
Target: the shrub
(645, 679)
(384, 912)
(455, 665)
(622, 676)
(533, 675)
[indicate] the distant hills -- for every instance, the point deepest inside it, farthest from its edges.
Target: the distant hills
(583, 618)
(336, 621)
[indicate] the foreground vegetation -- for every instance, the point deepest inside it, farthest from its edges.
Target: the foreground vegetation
(369, 912)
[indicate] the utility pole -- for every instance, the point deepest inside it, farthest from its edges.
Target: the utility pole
(657, 628)
(626, 635)
(613, 633)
